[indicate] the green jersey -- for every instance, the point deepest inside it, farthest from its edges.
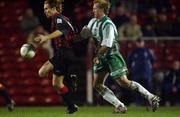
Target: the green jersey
(104, 33)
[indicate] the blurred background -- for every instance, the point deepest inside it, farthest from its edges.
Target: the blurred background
(150, 24)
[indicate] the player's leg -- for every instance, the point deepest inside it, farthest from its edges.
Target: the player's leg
(59, 71)
(107, 94)
(118, 71)
(44, 70)
(64, 91)
(10, 103)
(71, 80)
(146, 83)
(132, 85)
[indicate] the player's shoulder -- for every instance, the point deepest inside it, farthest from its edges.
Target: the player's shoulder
(108, 23)
(59, 19)
(93, 19)
(65, 18)
(62, 19)
(91, 22)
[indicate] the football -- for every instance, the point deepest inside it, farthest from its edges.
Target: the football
(27, 51)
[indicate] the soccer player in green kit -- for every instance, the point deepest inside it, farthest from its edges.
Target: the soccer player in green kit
(108, 59)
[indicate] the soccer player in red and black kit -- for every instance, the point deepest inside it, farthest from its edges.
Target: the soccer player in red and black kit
(10, 103)
(62, 37)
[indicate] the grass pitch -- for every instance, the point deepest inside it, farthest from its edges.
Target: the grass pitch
(88, 112)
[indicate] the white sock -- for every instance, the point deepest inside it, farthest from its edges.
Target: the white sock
(111, 98)
(139, 88)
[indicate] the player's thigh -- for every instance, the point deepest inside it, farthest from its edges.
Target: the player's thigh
(100, 72)
(46, 67)
(117, 66)
(57, 81)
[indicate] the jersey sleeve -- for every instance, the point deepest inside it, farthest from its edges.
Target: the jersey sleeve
(62, 26)
(108, 36)
(90, 23)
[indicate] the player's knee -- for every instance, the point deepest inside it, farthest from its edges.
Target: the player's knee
(98, 87)
(56, 86)
(95, 86)
(124, 82)
(42, 73)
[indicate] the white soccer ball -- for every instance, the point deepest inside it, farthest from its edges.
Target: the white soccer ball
(27, 51)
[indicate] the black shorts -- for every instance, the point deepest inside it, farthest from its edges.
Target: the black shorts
(61, 61)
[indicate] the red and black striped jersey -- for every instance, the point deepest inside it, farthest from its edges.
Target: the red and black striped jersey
(62, 23)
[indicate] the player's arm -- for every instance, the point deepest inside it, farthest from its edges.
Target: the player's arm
(44, 38)
(85, 32)
(106, 44)
(54, 34)
(83, 35)
(100, 52)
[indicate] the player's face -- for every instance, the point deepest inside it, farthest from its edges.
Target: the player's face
(48, 10)
(97, 11)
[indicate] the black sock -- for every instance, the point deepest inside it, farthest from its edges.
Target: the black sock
(68, 100)
(5, 95)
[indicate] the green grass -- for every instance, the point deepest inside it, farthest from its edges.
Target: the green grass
(88, 112)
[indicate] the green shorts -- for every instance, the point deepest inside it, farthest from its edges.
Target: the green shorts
(114, 64)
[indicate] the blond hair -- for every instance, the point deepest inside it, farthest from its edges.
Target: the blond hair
(103, 4)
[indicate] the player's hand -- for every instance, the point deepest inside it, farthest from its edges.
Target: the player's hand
(40, 39)
(85, 32)
(96, 60)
